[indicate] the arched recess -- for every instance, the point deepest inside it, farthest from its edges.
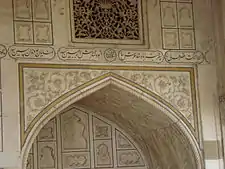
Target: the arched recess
(158, 104)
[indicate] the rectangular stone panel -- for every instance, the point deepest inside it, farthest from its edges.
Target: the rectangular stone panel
(187, 39)
(101, 129)
(42, 10)
(23, 32)
(170, 39)
(76, 160)
(103, 153)
(185, 15)
(22, 10)
(42, 33)
(169, 14)
(75, 131)
(47, 155)
(129, 158)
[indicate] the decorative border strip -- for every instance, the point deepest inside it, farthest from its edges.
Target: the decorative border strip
(104, 55)
(132, 56)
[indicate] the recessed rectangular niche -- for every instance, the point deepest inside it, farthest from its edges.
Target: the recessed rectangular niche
(107, 21)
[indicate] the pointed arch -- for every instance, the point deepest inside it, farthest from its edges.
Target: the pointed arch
(94, 85)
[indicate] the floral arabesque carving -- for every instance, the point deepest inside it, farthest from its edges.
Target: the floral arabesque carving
(106, 19)
(173, 87)
(42, 86)
(34, 52)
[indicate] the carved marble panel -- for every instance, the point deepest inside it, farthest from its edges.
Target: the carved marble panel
(177, 15)
(23, 32)
(103, 153)
(42, 33)
(76, 160)
(75, 131)
(32, 22)
(47, 155)
(42, 10)
(101, 129)
(22, 9)
(108, 21)
(129, 158)
(169, 15)
(187, 39)
(170, 39)
(48, 132)
(122, 142)
(43, 86)
(185, 15)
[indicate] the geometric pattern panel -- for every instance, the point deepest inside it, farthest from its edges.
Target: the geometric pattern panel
(177, 22)
(32, 22)
(84, 150)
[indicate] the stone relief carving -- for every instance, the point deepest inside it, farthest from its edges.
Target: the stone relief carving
(32, 22)
(110, 19)
(48, 132)
(129, 158)
(3, 51)
(122, 142)
(173, 88)
(42, 86)
(47, 155)
(23, 32)
(22, 9)
(103, 153)
(102, 149)
(177, 25)
(25, 52)
(42, 10)
(76, 160)
(75, 131)
(101, 129)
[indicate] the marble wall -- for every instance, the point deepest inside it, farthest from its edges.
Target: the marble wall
(170, 48)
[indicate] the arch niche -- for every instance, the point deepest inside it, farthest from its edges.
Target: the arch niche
(158, 130)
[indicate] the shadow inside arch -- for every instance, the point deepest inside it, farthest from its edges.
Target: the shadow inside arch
(92, 86)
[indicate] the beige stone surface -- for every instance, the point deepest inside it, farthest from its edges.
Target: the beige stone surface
(72, 37)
